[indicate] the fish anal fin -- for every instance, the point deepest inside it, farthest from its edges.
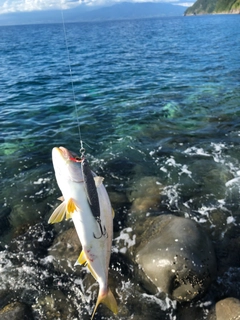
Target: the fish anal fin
(81, 259)
(71, 207)
(58, 214)
(98, 181)
(108, 299)
(92, 271)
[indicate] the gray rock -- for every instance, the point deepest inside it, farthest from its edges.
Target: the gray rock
(66, 249)
(190, 311)
(228, 309)
(55, 306)
(15, 311)
(145, 195)
(177, 256)
(145, 198)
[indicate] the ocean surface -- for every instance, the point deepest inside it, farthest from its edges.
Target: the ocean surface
(154, 98)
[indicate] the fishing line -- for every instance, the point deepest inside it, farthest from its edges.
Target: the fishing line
(82, 150)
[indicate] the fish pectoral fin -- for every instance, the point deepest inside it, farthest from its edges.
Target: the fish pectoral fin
(71, 207)
(98, 181)
(58, 214)
(107, 299)
(81, 259)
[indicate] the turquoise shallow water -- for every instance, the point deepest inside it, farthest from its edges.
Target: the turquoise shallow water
(154, 97)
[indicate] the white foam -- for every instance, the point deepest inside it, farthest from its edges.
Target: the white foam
(41, 181)
(165, 304)
(231, 219)
(196, 151)
(125, 237)
(232, 182)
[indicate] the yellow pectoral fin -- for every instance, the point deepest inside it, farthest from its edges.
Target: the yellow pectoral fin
(71, 207)
(58, 214)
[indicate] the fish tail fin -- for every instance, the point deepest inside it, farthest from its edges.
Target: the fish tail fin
(108, 299)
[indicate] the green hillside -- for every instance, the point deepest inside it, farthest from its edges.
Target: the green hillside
(214, 6)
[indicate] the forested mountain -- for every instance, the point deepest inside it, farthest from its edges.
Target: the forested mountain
(214, 6)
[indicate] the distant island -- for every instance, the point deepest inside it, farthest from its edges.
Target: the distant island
(214, 7)
(83, 12)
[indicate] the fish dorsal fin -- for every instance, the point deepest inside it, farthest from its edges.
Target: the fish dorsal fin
(98, 181)
(113, 213)
(61, 198)
(58, 214)
(81, 259)
(71, 207)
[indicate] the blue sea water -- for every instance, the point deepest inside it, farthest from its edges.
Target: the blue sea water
(155, 98)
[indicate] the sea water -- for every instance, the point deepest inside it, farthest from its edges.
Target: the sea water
(154, 98)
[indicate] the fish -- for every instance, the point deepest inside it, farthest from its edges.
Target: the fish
(93, 219)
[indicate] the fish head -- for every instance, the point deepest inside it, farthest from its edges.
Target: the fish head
(65, 165)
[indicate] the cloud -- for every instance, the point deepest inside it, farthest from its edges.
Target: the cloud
(7, 6)
(185, 4)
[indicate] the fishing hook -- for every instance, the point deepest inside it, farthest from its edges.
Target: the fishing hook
(102, 230)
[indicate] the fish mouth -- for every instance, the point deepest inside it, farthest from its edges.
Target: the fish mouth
(64, 153)
(66, 165)
(69, 155)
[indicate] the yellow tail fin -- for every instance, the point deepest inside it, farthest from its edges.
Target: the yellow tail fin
(109, 301)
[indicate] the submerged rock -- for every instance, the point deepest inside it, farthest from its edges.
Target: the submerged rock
(4, 219)
(16, 311)
(65, 250)
(145, 195)
(55, 305)
(145, 198)
(177, 256)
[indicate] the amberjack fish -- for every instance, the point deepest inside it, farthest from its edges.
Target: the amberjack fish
(90, 209)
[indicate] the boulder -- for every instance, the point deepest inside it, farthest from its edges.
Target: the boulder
(228, 309)
(15, 311)
(177, 256)
(145, 197)
(65, 250)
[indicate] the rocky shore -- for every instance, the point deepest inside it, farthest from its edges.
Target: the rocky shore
(175, 251)
(162, 266)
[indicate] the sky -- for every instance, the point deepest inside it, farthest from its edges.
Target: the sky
(7, 6)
